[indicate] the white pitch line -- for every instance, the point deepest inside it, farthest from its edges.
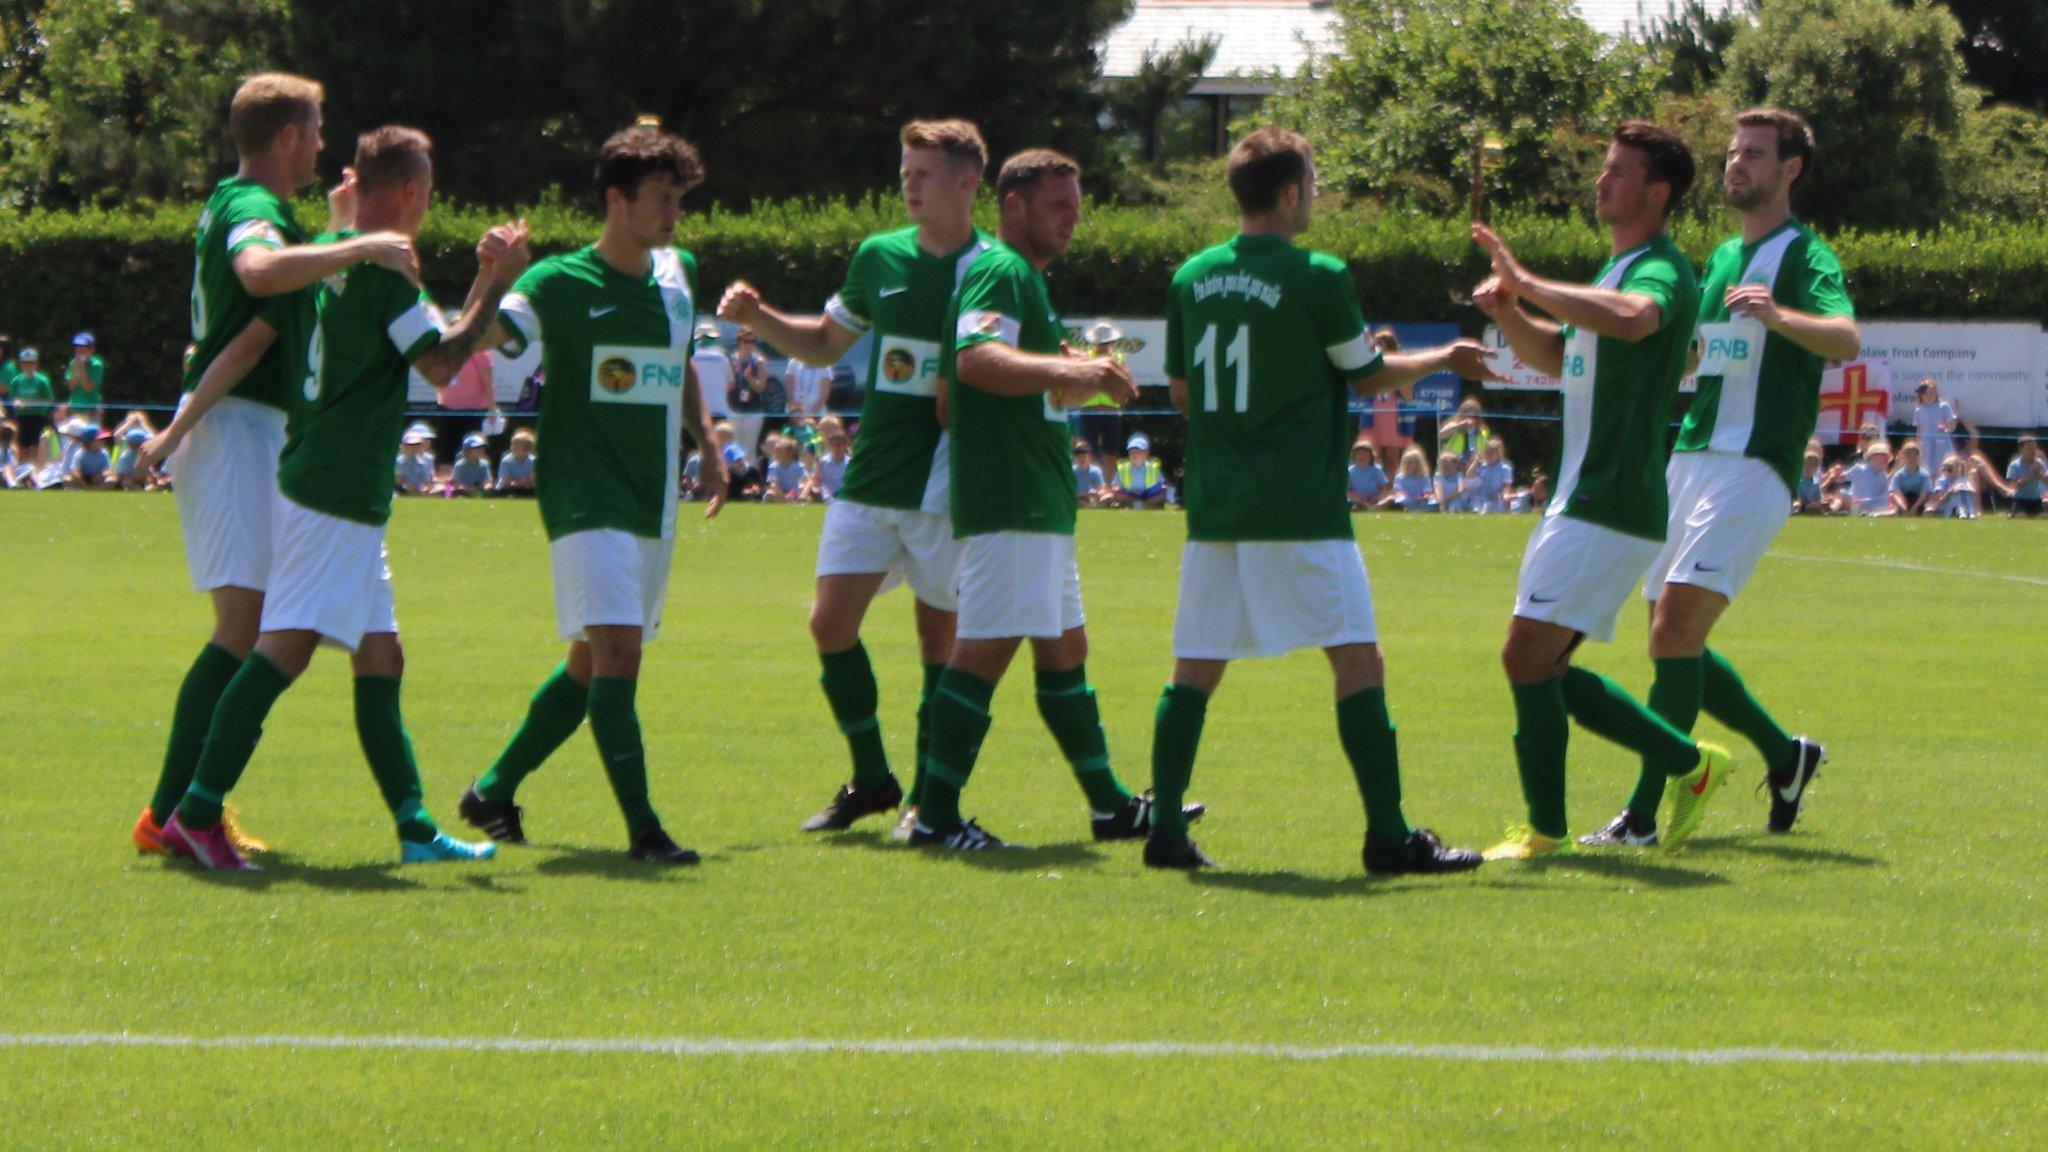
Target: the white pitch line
(1904, 566)
(1054, 1049)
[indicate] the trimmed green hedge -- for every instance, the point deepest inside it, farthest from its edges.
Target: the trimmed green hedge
(127, 275)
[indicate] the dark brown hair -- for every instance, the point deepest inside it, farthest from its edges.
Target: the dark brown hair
(633, 154)
(1795, 135)
(1265, 164)
(1022, 172)
(1670, 160)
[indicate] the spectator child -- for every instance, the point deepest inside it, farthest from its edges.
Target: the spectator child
(516, 470)
(1412, 489)
(12, 470)
(749, 380)
(1807, 499)
(2026, 477)
(415, 468)
(471, 474)
(786, 476)
(1911, 485)
(1870, 483)
(90, 466)
(1089, 481)
(1954, 493)
(129, 475)
(1140, 482)
(1367, 480)
(1490, 479)
(807, 455)
(34, 404)
(833, 460)
(808, 387)
(1449, 492)
(743, 478)
(1464, 434)
(1934, 421)
(84, 378)
(1389, 437)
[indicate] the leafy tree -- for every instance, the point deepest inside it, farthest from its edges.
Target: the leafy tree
(123, 100)
(2001, 164)
(1164, 79)
(1688, 45)
(795, 97)
(1883, 88)
(1416, 84)
(2004, 45)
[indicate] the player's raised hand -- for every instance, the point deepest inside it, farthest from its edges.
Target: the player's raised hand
(1506, 268)
(1754, 301)
(1471, 359)
(341, 202)
(740, 304)
(1491, 296)
(513, 253)
(393, 250)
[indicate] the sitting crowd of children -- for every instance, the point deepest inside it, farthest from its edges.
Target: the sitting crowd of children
(1875, 483)
(1482, 482)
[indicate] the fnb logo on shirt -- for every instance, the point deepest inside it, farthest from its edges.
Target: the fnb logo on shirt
(624, 374)
(1726, 349)
(1575, 365)
(908, 367)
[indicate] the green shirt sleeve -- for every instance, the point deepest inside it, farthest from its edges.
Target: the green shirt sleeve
(1340, 324)
(253, 223)
(992, 302)
(1822, 290)
(407, 314)
(689, 260)
(520, 310)
(1657, 277)
(849, 307)
(1176, 327)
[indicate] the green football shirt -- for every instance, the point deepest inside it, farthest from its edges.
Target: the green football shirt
(1269, 339)
(614, 350)
(93, 394)
(1617, 399)
(899, 292)
(32, 393)
(370, 325)
(1010, 461)
(1759, 393)
(244, 214)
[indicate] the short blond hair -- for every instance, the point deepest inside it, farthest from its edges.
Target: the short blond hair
(958, 139)
(390, 156)
(268, 103)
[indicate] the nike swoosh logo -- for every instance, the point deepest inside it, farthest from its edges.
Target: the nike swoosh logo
(597, 312)
(1700, 789)
(887, 292)
(1791, 795)
(1698, 567)
(1542, 599)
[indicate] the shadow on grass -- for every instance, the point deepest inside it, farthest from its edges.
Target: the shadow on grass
(278, 868)
(1776, 846)
(612, 864)
(1295, 884)
(1633, 869)
(1076, 853)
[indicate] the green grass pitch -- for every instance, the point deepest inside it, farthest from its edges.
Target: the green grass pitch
(1905, 915)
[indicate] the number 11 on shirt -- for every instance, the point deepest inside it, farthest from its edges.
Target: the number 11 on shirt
(1237, 352)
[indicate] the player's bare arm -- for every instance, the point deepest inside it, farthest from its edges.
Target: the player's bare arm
(1828, 337)
(1467, 358)
(227, 370)
(1537, 342)
(1626, 316)
(711, 474)
(276, 271)
(501, 256)
(811, 339)
(1001, 370)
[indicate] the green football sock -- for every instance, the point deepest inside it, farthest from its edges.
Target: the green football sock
(849, 682)
(924, 730)
(1067, 704)
(555, 714)
(380, 726)
(960, 720)
(1543, 731)
(231, 740)
(1727, 699)
(1176, 732)
(1606, 710)
(1674, 695)
(1367, 733)
(616, 725)
(197, 698)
